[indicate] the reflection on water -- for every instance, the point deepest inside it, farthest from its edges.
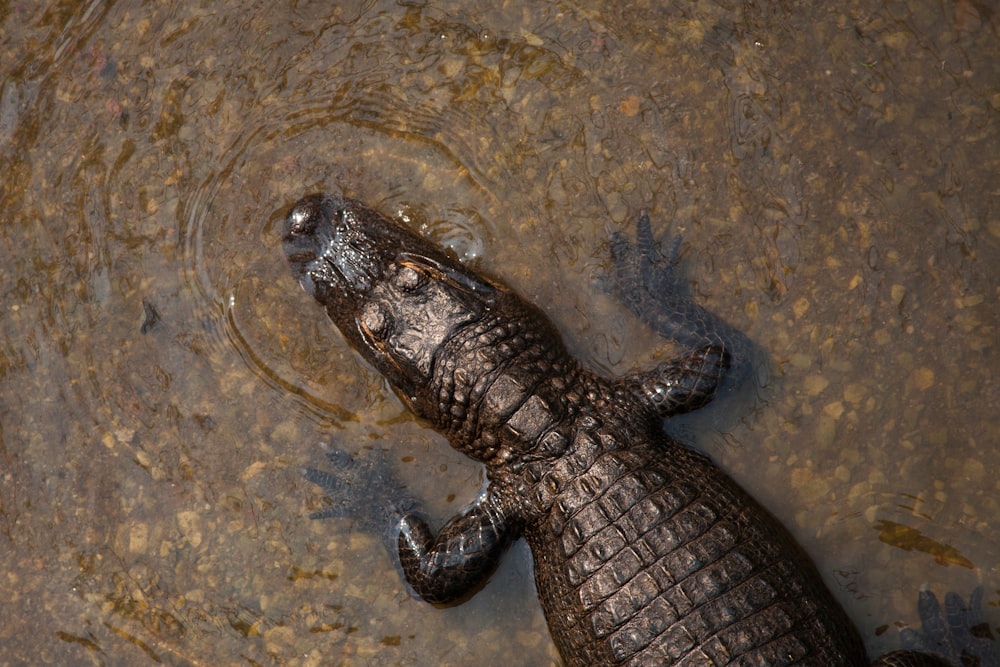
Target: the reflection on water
(837, 203)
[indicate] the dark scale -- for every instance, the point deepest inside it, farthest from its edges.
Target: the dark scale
(645, 553)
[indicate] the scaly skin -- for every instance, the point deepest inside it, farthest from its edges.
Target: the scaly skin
(645, 553)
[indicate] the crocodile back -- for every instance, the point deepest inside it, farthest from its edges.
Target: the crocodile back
(647, 554)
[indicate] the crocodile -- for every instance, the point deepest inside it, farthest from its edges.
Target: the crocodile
(644, 551)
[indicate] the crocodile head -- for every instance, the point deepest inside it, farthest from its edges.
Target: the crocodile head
(396, 297)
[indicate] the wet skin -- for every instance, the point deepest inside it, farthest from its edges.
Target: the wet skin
(645, 553)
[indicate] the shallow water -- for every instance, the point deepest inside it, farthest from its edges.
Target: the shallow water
(832, 173)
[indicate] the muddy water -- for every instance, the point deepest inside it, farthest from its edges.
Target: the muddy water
(162, 379)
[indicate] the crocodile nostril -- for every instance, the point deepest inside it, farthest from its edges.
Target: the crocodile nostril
(302, 219)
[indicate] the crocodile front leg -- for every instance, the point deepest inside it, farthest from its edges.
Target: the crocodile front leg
(683, 384)
(648, 280)
(441, 570)
(452, 566)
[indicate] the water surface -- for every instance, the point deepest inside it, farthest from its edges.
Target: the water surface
(162, 379)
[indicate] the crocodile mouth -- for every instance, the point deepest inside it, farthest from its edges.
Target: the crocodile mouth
(328, 248)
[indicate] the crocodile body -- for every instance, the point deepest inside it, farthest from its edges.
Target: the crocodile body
(645, 552)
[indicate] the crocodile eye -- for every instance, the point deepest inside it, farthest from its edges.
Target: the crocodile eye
(375, 321)
(409, 279)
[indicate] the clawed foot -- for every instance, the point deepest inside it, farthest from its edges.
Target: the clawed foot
(956, 631)
(363, 489)
(643, 268)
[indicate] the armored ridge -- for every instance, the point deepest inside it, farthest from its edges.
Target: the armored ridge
(645, 553)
